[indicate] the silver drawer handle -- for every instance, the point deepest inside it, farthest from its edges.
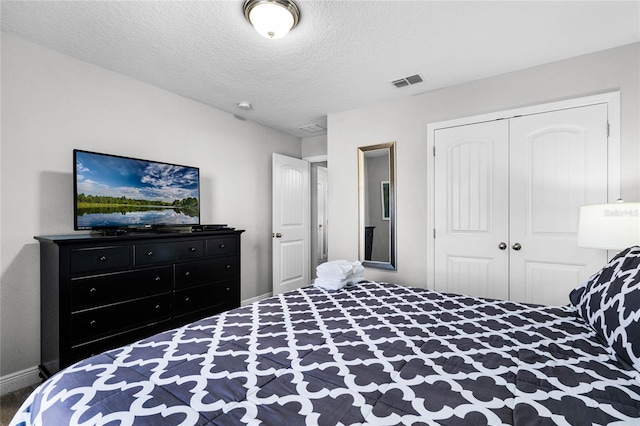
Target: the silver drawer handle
(221, 246)
(192, 249)
(93, 290)
(158, 278)
(93, 323)
(102, 258)
(228, 266)
(149, 253)
(186, 274)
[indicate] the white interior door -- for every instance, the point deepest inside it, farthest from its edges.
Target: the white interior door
(291, 223)
(472, 210)
(558, 163)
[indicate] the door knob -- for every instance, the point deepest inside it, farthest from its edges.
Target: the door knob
(516, 246)
(278, 235)
(502, 245)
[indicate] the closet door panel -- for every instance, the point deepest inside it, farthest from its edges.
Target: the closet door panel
(558, 162)
(544, 277)
(471, 214)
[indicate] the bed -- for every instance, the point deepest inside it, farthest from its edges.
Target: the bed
(370, 353)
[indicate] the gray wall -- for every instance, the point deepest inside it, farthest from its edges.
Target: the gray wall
(405, 121)
(314, 146)
(52, 103)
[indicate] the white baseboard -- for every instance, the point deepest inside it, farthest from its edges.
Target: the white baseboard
(255, 299)
(19, 380)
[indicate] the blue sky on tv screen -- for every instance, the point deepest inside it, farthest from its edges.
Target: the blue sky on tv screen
(98, 174)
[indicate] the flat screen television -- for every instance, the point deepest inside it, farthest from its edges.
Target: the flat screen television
(113, 192)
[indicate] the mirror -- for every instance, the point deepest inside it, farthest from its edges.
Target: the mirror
(376, 204)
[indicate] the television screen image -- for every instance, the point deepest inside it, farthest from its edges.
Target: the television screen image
(120, 192)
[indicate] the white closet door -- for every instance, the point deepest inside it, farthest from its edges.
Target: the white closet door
(472, 209)
(558, 162)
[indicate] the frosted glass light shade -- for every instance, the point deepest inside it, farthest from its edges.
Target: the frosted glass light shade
(272, 18)
(613, 226)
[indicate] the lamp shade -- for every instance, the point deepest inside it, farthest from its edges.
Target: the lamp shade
(272, 18)
(613, 226)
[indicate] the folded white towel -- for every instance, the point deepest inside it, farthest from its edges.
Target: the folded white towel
(334, 284)
(340, 268)
(337, 277)
(358, 269)
(329, 284)
(331, 276)
(335, 274)
(336, 267)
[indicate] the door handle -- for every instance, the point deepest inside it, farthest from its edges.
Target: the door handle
(277, 235)
(516, 246)
(502, 246)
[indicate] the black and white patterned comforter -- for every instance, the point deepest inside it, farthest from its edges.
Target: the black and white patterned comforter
(371, 353)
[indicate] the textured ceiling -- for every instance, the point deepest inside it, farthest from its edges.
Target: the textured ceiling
(341, 56)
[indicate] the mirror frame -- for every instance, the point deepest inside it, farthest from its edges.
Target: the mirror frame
(391, 149)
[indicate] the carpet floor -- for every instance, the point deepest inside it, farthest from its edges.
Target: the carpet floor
(10, 403)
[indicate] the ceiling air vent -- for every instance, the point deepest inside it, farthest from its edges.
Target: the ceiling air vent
(406, 81)
(313, 128)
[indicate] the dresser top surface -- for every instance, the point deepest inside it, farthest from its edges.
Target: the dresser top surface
(139, 235)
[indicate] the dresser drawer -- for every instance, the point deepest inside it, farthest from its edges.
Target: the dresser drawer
(94, 347)
(95, 323)
(205, 296)
(206, 271)
(109, 288)
(146, 254)
(99, 258)
(221, 246)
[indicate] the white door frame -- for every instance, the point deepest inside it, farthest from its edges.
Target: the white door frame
(321, 214)
(612, 100)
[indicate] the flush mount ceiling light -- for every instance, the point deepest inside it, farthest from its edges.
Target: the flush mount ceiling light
(272, 18)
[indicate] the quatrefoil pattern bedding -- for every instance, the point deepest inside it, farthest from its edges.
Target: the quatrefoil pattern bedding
(610, 302)
(371, 353)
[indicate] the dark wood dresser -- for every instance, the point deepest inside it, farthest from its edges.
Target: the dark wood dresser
(98, 293)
